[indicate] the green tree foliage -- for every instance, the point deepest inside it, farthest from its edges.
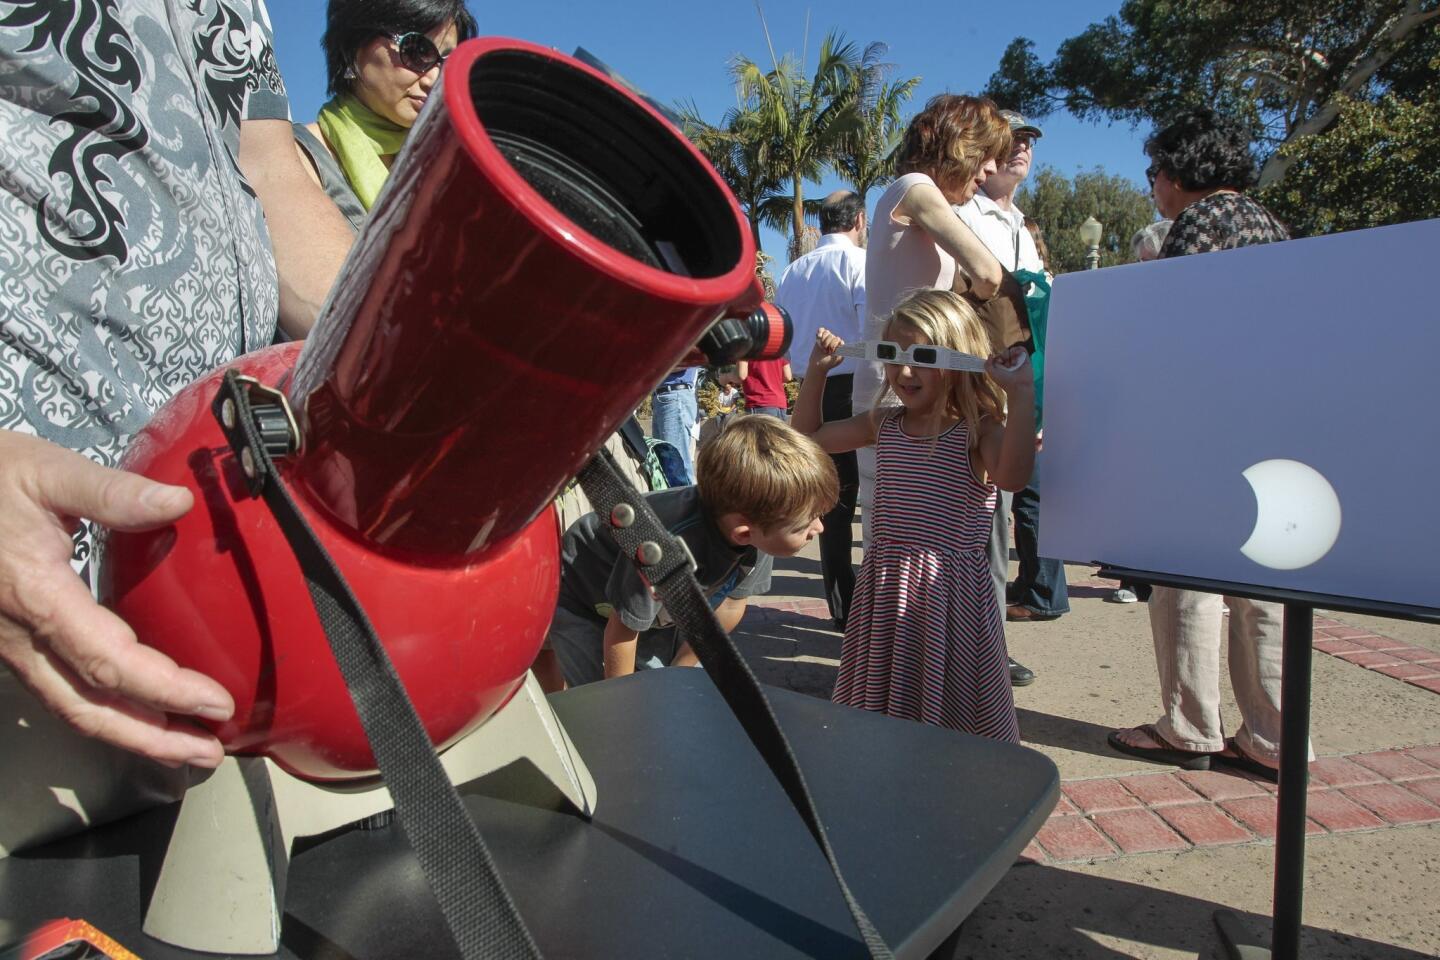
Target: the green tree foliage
(1290, 66)
(866, 158)
(1375, 166)
(1059, 205)
(786, 129)
(805, 118)
(739, 148)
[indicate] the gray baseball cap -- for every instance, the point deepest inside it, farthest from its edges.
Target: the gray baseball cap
(1018, 124)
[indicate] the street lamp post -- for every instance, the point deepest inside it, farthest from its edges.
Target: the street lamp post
(1090, 233)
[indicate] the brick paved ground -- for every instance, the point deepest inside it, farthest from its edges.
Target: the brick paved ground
(1115, 816)
(1394, 658)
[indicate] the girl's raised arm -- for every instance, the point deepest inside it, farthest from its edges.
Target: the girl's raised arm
(838, 436)
(1008, 450)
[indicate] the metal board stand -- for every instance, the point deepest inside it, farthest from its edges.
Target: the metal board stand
(1297, 638)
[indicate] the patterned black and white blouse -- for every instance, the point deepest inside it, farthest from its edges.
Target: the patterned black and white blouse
(1221, 221)
(133, 254)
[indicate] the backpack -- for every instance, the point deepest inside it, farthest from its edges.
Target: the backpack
(663, 466)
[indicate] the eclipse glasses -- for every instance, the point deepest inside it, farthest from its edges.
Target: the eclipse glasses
(918, 355)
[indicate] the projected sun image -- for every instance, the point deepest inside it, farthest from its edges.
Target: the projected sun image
(1297, 515)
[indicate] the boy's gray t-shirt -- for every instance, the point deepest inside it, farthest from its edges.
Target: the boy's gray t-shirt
(597, 580)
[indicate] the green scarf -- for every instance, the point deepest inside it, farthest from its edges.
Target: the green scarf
(360, 137)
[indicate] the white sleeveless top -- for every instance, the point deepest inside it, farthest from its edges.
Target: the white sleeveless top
(900, 257)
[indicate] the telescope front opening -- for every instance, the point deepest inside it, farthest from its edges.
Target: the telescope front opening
(605, 163)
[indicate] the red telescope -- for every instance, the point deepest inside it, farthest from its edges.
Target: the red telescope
(546, 249)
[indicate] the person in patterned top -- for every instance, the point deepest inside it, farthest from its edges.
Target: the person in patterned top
(157, 223)
(924, 638)
(1200, 167)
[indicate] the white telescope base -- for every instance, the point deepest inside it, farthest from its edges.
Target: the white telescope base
(222, 884)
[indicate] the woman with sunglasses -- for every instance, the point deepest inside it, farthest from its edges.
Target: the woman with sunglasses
(382, 58)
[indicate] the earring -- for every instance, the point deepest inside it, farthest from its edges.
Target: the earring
(349, 73)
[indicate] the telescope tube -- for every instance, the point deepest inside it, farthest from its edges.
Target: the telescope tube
(546, 253)
(546, 248)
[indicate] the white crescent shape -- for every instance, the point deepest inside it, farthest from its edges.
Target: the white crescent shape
(1297, 515)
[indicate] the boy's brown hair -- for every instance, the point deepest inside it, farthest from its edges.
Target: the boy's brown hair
(766, 471)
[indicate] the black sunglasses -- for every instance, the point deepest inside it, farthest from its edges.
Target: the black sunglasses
(418, 52)
(1150, 173)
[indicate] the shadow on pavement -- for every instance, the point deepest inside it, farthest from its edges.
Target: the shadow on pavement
(791, 650)
(1081, 736)
(1042, 911)
(1088, 592)
(799, 588)
(799, 565)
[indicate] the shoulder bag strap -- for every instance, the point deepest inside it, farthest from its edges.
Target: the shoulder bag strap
(478, 910)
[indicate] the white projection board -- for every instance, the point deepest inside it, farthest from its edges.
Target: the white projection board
(1267, 416)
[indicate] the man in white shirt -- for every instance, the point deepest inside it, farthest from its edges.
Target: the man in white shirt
(1039, 592)
(826, 288)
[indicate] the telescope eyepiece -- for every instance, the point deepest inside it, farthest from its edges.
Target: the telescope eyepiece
(762, 334)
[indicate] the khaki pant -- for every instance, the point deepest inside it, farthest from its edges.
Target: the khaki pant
(1186, 627)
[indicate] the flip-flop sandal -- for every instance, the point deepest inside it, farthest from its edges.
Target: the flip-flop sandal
(1233, 756)
(1173, 756)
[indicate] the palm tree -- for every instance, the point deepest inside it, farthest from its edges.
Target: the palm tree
(804, 120)
(740, 150)
(867, 158)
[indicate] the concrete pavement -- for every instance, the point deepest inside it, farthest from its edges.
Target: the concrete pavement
(1137, 856)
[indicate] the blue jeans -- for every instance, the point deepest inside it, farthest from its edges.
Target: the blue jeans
(778, 412)
(1040, 584)
(673, 414)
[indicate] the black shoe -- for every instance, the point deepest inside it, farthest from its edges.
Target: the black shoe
(1020, 675)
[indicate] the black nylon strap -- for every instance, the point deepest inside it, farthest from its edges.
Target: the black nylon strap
(477, 908)
(673, 582)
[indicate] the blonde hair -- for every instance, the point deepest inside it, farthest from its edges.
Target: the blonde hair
(944, 319)
(950, 140)
(766, 471)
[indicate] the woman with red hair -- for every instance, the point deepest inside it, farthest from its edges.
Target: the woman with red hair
(916, 240)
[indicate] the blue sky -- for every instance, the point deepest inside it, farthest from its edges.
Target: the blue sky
(679, 50)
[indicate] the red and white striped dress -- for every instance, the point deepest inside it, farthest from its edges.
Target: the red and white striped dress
(924, 639)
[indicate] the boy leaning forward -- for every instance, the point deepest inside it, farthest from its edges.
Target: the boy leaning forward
(760, 492)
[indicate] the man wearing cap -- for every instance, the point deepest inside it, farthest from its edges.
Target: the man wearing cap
(826, 288)
(1039, 592)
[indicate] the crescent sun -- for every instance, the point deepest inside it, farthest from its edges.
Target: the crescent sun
(1297, 515)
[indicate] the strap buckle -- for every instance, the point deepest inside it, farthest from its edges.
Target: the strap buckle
(259, 424)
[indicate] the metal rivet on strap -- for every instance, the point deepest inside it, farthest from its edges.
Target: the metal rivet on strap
(247, 462)
(623, 515)
(227, 414)
(650, 553)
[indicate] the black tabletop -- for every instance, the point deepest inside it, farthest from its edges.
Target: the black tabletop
(694, 850)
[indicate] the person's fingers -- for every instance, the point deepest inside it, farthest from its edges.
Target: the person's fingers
(96, 713)
(103, 652)
(71, 485)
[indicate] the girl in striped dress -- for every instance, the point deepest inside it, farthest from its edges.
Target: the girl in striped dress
(924, 639)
